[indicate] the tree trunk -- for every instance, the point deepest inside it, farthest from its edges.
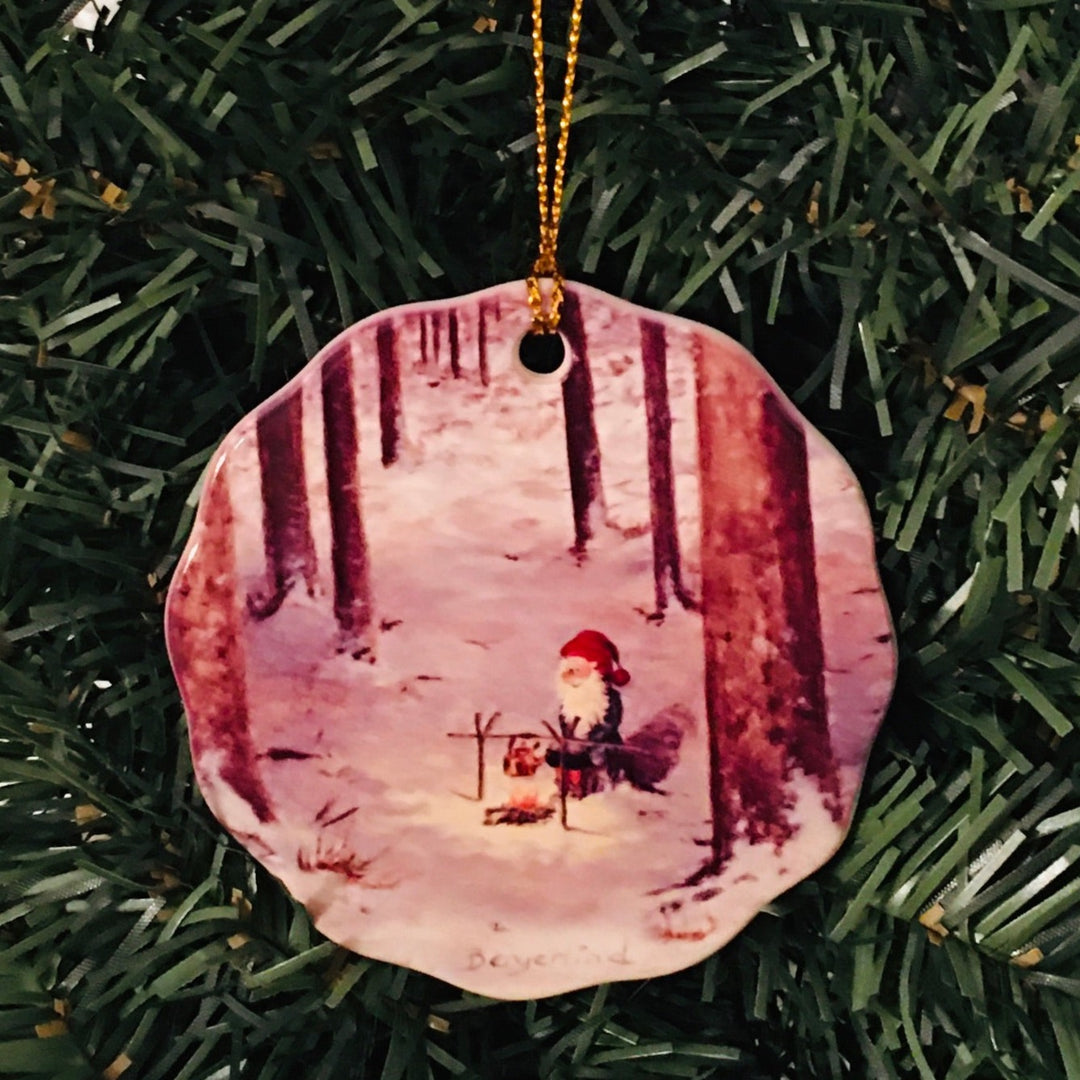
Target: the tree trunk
(455, 345)
(748, 671)
(423, 341)
(389, 392)
(481, 345)
(436, 340)
(582, 445)
(205, 633)
(349, 551)
(808, 736)
(667, 565)
(287, 540)
(480, 735)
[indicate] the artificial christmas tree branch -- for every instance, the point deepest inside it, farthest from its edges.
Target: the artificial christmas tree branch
(879, 199)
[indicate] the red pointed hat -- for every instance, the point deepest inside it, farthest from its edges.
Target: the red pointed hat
(593, 646)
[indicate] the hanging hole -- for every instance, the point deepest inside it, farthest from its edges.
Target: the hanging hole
(542, 354)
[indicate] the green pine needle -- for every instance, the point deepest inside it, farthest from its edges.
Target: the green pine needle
(881, 198)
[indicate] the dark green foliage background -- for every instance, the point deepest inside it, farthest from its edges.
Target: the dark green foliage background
(130, 342)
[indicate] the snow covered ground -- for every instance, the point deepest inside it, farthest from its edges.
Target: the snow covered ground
(378, 828)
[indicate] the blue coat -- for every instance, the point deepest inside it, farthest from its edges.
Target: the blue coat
(605, 730)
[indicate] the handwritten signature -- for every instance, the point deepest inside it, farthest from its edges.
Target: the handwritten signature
(520, 963)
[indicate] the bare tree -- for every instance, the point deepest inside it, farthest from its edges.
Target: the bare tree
(349, 550)
(436, 336)
(481, 344)
(808, 739)
(761, 697)
(287, 540)
(582, 445)
(203, 629)
(389, 391)
(667, 564)
(455, 345)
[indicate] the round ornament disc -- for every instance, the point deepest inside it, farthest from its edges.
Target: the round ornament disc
(531, 684)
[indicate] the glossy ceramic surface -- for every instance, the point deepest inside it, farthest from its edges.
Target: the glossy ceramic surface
(392, 562)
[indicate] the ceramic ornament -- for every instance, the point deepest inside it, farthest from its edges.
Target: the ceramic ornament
(531, 683)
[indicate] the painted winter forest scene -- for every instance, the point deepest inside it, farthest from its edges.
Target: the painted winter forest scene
(531, 683)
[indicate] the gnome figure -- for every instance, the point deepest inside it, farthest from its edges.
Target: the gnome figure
(590, 711)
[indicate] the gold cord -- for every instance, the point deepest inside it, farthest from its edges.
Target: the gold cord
(546, 315)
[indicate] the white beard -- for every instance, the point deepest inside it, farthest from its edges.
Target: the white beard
(589, 701)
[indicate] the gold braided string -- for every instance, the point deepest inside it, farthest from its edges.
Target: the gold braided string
(546, 311)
